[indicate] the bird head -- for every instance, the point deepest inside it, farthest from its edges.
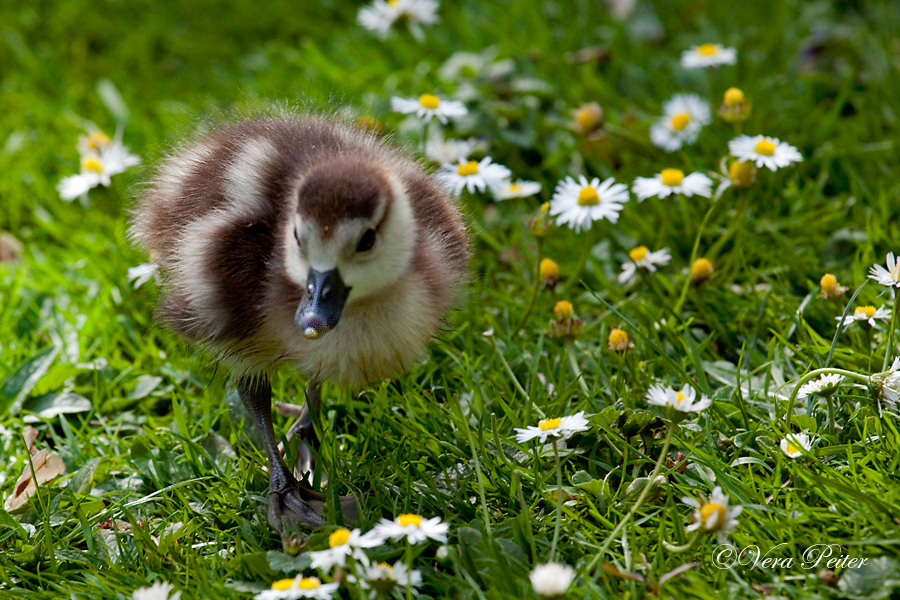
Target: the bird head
(352, 236)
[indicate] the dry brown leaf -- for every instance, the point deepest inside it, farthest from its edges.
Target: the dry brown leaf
(10, 248)
(30, 434)
(46, 467)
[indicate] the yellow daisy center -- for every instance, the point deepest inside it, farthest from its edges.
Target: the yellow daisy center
(549, 424)
(713, 508)
(429, 100)
(680, 121)
(545, 208)
(92, 163)
(515, 187)
(563, 309)
(283, 584)
(588, 197)
(384, 565)
(97, 140)
(617, 338)
(701, 268)
(734, 96)
(549, 269)
(707, 49)
(792, 448)
(672, 177)
(339, 537)
(679, 397)
(869, 311)
(470, 168)
(638, 254)
(741, 173)
(827, 282)
(309, 583)
(409, 519)
(765, 148)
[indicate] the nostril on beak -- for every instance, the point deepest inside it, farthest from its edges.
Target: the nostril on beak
(326, 293)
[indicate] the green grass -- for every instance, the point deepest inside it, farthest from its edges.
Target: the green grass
(157, 439)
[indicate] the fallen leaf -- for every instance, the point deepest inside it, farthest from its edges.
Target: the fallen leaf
(30, 434)
(10, 248)
(46, 467)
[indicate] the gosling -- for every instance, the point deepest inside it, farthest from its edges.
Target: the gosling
(301, 241)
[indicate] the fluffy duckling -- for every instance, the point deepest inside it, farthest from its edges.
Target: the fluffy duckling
(301, 241)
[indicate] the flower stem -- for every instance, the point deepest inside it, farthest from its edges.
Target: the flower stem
(590, 239)
(640, 499)
(683, 547)
(576, 368)
(811, 375)
(559, 501)
(687, 280)
(890, 345)
(509, 370)
(534, 293)
(468, 433)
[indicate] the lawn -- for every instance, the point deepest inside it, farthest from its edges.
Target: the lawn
(158, 472)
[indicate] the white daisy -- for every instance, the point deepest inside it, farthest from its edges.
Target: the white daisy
(518, 189)
(672, 181)
(714, 515)
(642, 258)
(683, 400)
(683, 118)
(343, 543)
(298, 587)
(869, 314)
(551, 579)
(561, 427)
(428, 106)
(794, 444)
(381, 15)
(823, 386)
(97, 169)
(452, 151)
(889, 277)
(142, 273)
(580, 203)
(764, 151)
(157, 591)
(887, 383)
(472, 176)
(414, 528)
(708, 55)
(383, 577)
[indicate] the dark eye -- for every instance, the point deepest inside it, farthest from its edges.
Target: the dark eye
(367, 241)
(297, 237)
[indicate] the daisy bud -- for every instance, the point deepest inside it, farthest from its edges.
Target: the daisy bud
(587, 118)
(741, 174)
(549, 273)
(830, 288)
(618, 341)
(539, 224)
(370, 124)
(700, 270)
(735, 107)
(563, 309)
(566, 324)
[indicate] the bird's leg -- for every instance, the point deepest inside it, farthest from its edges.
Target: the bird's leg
(287, 500)
(304, 426)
